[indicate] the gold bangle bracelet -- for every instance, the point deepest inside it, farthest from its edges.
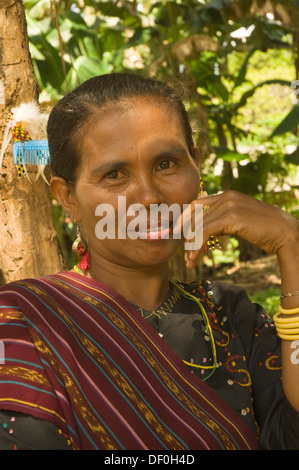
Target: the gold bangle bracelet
(287, 328)
(278, 320)
(287, 337)
(282, 324)
(288, 311)
(288, 331)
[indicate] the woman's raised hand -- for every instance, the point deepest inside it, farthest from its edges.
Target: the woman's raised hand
(233, 213)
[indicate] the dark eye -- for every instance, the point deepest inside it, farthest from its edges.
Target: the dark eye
(164, 165)
(112, 174)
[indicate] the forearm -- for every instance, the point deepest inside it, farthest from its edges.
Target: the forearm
(288, 259)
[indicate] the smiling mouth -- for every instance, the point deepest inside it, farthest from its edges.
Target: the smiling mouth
(158, 231)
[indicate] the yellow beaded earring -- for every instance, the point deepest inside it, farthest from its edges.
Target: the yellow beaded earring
(213, 242)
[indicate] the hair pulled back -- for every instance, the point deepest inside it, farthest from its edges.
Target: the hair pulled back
(73, 111)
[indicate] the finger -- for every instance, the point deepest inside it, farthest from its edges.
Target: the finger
(209, 242)
(187, 214)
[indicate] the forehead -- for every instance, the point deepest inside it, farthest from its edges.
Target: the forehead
(138, 107)
(130, 121)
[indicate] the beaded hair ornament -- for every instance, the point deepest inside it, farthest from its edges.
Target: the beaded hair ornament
(26, 125)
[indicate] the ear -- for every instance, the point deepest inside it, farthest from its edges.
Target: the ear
(66, 196)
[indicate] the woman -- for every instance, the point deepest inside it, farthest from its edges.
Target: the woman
(113, 353)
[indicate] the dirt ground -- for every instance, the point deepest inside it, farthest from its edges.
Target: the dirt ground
(255, 276)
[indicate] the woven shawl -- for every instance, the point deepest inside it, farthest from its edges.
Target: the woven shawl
(78, 354)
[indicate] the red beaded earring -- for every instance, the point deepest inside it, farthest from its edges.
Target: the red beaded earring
(80, 249)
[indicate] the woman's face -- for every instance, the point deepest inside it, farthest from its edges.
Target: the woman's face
(138, 151)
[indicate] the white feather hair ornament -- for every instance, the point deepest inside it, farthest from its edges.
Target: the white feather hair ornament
(26, 124)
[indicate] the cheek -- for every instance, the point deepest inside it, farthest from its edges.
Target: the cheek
(87, 204)
(100, 218)
(187, 188)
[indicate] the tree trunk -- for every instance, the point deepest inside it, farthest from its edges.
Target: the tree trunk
(28, 240)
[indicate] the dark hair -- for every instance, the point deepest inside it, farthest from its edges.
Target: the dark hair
(73, 111)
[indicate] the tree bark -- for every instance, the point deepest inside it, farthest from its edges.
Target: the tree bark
(28, 239)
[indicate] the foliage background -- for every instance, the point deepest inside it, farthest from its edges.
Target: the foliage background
(237, 60)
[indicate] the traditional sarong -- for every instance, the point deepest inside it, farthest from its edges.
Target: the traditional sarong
(77, 354)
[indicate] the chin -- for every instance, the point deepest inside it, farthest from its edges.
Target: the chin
(139, 253)
(155, 253)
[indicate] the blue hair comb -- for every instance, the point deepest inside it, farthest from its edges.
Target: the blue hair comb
(31, 152)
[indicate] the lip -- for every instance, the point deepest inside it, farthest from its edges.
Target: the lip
(154, 231)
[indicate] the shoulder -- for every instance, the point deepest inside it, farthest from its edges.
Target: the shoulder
(15, 289)
(226, 300)
(221, 293)
(233, 297)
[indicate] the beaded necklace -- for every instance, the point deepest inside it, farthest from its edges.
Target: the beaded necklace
(189, 296)
(208, 327)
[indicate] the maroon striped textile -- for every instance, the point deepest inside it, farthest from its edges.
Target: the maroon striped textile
(78, 354)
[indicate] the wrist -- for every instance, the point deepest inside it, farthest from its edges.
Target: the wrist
(288, 260)
(287, 323)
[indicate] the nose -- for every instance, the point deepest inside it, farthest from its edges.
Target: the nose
(147, 191)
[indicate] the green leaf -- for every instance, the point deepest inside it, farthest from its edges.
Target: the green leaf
(35, 52)
(83, 69)
(248, 94)
(289, 123)
(50, 66)
(293, 157)
(75, 19)
(142, 36)
(130, 20)
(217, 4)
(243, 70)
(229, 155)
